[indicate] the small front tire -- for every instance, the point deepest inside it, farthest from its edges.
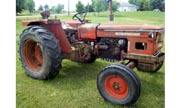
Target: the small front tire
(118, 84)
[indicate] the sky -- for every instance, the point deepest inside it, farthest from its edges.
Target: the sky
(64, 2)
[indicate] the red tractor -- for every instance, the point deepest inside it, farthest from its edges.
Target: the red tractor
(44, 45)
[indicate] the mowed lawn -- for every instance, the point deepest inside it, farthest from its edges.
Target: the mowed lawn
(75, 85)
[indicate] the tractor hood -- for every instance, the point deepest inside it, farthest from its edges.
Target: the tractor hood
(129, 27)
(75, 23)
(72, 23)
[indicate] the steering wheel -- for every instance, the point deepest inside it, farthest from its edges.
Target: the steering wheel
(80, 16)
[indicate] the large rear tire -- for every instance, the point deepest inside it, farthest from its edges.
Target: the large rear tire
(118, 84)
(40, 53)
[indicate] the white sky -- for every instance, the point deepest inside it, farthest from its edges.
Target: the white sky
(64, 2)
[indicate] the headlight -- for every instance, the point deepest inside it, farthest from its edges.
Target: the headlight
(151, 34)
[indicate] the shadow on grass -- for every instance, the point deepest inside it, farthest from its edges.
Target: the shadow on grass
(79, 77)
(152, 88)
(76, 75)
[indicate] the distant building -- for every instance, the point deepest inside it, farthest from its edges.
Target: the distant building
(124, 7)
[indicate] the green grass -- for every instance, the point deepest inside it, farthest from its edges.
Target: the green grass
(75, 85)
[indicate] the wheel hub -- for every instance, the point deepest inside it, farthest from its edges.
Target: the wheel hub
(33, 55)
(116, 87)
(38, 54)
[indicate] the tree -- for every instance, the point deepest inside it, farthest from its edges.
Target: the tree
(115, 5)
(89, 8)
(157, 4)
(149, 4)
(40, 8)
(142, 4)
(59, 8)
(99, 6)
(53, 9)
(134, 2)
(30, 5)
(80, 7)
(20, 5)
(92, 1)
(106, 5)
(162, 6)
(46, 7)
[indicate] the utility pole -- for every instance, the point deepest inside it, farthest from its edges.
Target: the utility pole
(87, 7)
(111, 17)
(68, 8)
(51, 3)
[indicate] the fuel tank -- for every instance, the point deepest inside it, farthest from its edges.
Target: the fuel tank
(73, 23)
(87, 31)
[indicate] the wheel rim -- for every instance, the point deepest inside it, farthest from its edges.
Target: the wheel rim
(116, 87)
(33, 55)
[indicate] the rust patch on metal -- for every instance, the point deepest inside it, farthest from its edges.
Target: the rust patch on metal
(55, 27)
(131, 64)
(145, 58)
(33, 55)
(87, 31)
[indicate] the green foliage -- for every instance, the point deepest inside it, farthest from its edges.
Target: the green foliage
(92, 1)
(143, 4)
(134, 2)
(115, 5)
(20, 5)
(40, 8)
(30, 5)
(25, 5)
(106, 5)
(99, 6)
(149, 4)
(89, 8)
(158, 4)
(46, 7)
(59, 8)
(53, 9)
(80, 7)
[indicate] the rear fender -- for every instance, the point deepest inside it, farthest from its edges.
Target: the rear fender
(55, 27)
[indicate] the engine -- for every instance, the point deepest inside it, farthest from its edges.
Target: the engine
(110, 48)
(86, 48)
(71, 35)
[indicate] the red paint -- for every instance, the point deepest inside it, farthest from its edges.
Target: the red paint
(87, 31)
(116, 87)
(55, 27)
(112, 31)
(128, 27)
(38, 54)
(74, 24)
(92, 31)
(33, 55)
